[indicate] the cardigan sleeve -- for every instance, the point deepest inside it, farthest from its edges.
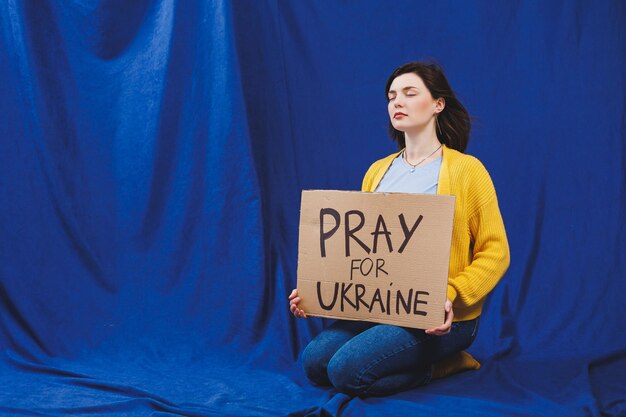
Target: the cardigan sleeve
(490, 256)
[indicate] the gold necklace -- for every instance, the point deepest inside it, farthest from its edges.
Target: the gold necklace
(415, 166)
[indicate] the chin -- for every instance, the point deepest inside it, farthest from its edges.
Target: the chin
(402, 127)
(399, 126)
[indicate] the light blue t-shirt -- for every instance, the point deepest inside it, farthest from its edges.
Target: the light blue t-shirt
(403, 178)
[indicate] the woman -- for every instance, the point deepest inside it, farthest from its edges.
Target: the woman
(431, 128)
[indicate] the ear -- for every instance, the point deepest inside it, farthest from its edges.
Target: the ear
(440, 104)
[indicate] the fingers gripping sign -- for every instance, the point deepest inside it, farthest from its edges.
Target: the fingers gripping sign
(447, 325)
(293, 305)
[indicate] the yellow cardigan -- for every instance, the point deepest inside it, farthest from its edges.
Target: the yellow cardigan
(479, 255)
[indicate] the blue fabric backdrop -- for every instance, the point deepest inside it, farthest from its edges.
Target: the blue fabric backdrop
(152, 155)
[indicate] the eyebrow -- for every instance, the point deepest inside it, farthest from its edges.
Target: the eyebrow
(404, 89)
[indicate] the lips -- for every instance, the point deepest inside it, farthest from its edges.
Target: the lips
(398, 114)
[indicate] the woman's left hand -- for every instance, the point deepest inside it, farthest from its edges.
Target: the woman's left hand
(445, 327)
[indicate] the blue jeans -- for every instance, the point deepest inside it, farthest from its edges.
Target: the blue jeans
(369, 359)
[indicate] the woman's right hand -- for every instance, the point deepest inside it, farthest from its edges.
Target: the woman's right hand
(293, 305)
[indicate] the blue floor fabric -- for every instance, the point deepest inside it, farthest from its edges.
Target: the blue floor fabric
(207, 388)
(152, 156)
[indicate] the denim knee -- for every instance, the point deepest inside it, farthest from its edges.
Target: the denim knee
(346, 377)
(313, 364)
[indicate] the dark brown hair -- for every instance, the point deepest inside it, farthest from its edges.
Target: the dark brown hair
(453, 121)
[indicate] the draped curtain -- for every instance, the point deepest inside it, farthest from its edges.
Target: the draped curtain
(152, 156)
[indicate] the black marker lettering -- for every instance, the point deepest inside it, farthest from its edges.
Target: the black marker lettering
(380, 224)
(418, 301)
(371, 265)
(360, 292)
(352, 267)
(406, 304)
(377, 299)
(408, 233)
(326, 235)
(319, 296)
(344, 291)
(350, 232)
(379, 266)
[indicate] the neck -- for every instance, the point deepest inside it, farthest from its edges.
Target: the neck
(421, 143)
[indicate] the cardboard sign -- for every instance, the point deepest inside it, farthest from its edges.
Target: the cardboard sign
(380, 257)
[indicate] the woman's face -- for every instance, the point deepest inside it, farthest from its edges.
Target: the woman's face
(411, 106)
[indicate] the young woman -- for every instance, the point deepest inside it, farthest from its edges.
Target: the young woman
(432, 129)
